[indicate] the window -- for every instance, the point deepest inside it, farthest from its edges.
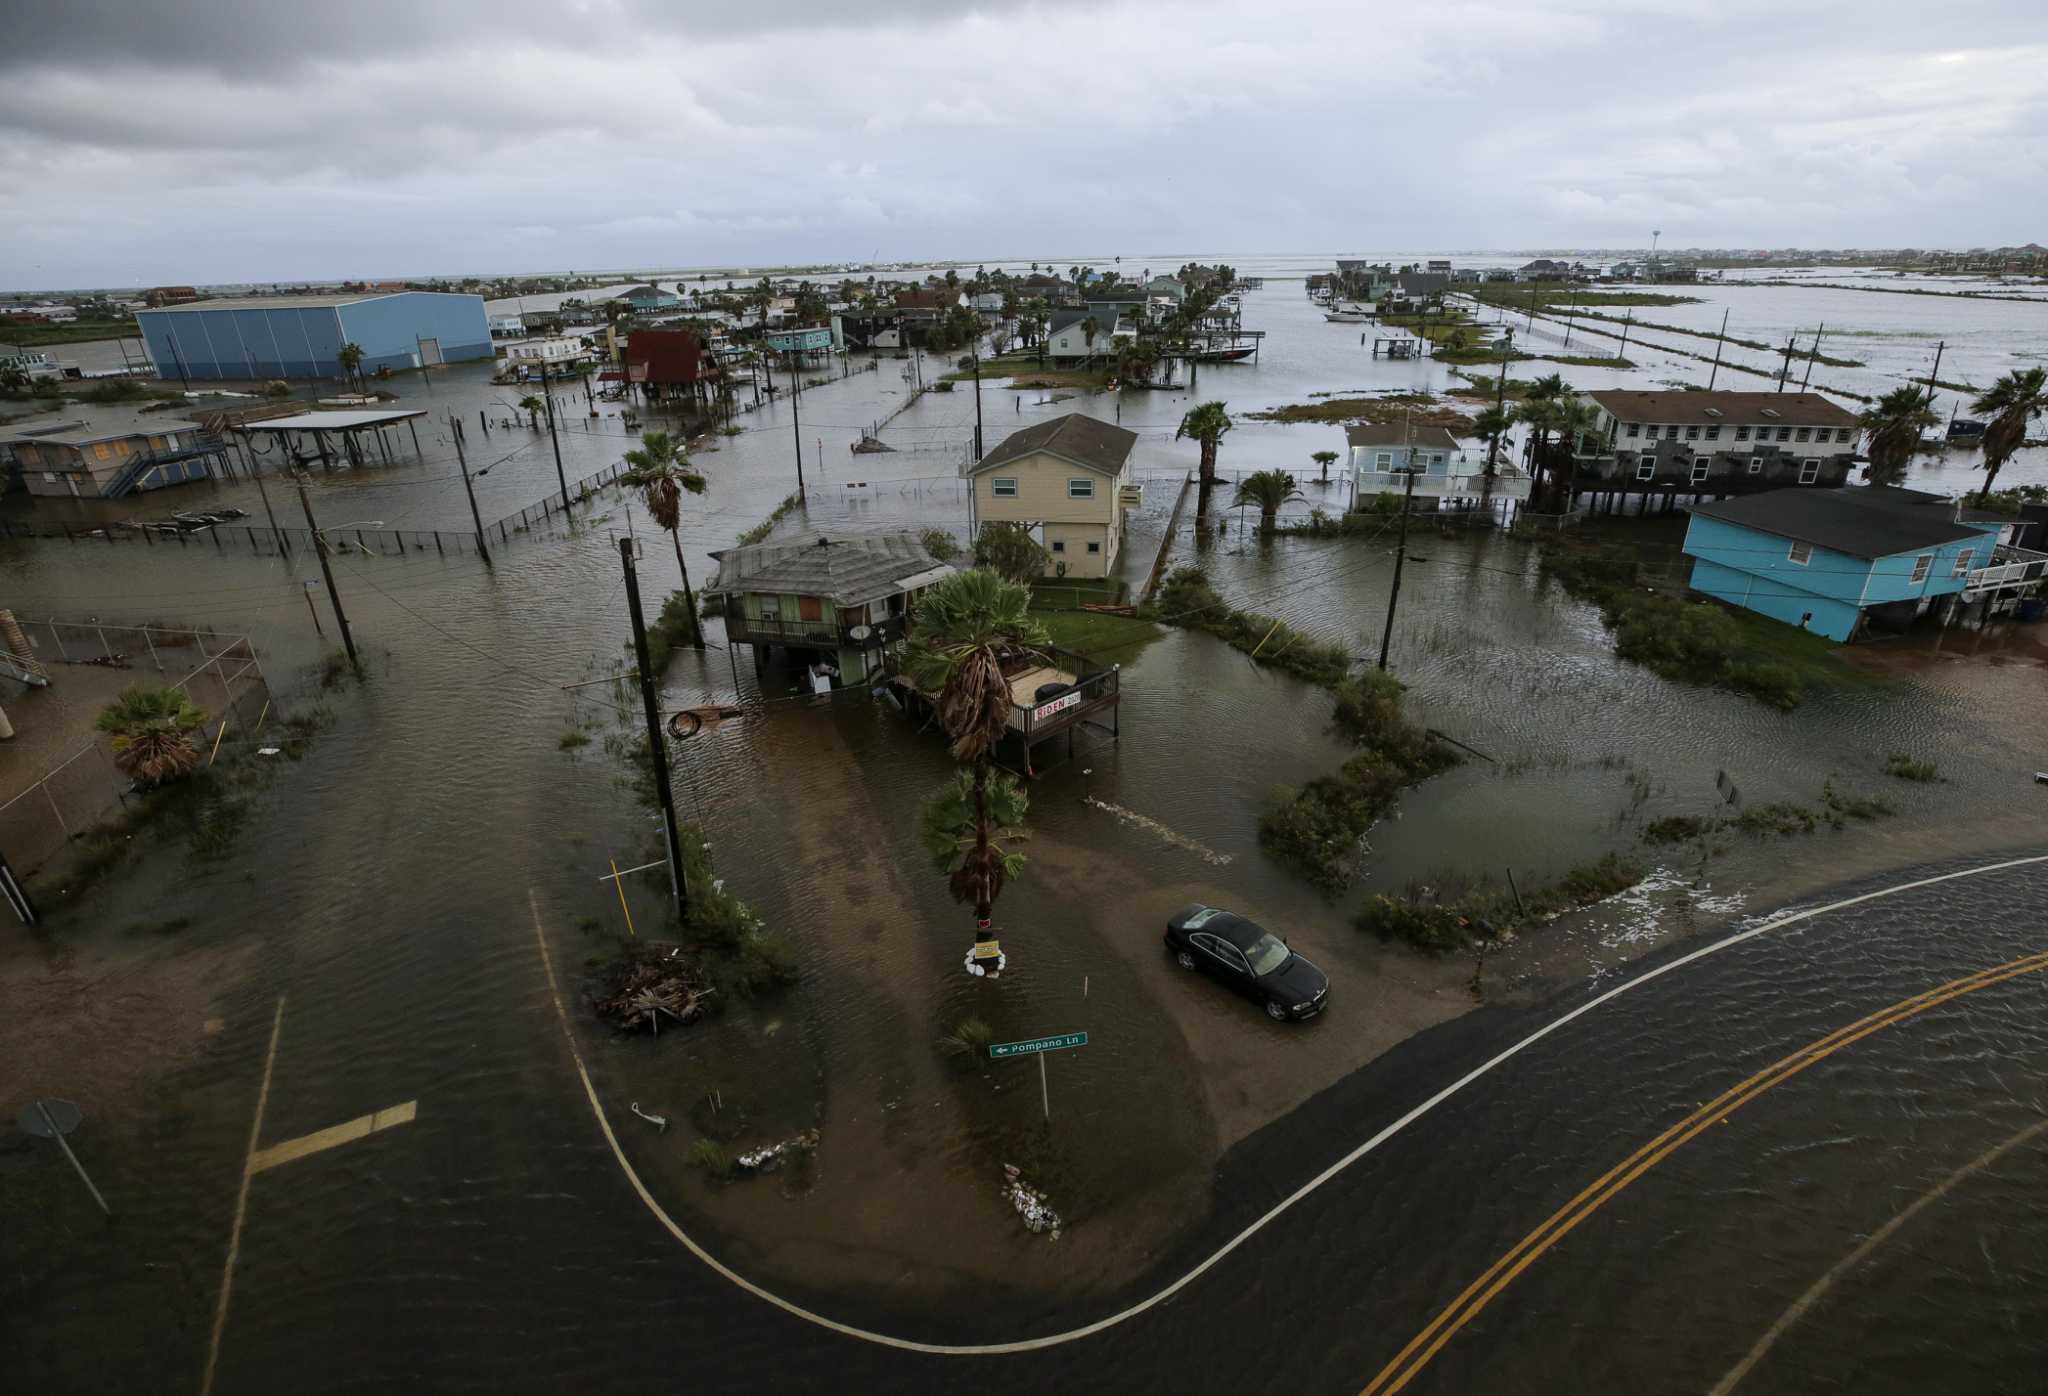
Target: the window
(1756, 465)
(1699, 468)
(1095, 547)
(1842, 434)
(1963, 562)
(1692, 433)
(1714, 432)
(1003, 486)
(1809, 471)
(1059, 545)
(1803, 434)
(1080, 489)
(1383, 460)
(1671, 433)
(1742, 433)
(1784, 433)
(1799, 554)
(1646, 467)
(1437, 458)
(1635, 428)
(1922, 565)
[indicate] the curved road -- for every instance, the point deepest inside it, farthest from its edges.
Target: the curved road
(1809, 1161)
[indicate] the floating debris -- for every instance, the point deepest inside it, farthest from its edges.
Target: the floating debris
(661, 1120)
(773, 1156)
(1030, 1203)
(871, 445)
(653, 982)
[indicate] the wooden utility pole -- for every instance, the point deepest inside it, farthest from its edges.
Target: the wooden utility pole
(1811, 355)
(1500, 396)
(1571, 313)
(482, 548)
(657, 751)
(548, 397)
(1720, 340)
(268, 513)
(1934, 372)
(1626, 321)
(1791, 347)
(348, 640)
(797, 427)
(1400, 556)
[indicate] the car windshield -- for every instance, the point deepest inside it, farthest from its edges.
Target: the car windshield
(1266, 955)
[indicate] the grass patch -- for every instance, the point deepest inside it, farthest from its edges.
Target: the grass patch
(1678, 828)
(1437, 923)
(28, 336)
(762, 529)
(676, 625)
(1099, 635)
(709, 1156)
(1561, 295)
(219, 825)
(1422, 409)
(571, 740)
(970, 1038)
(1906, 768)
(1187, 599)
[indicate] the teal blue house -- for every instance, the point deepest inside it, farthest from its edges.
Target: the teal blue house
(810, 340)
(1838, 562)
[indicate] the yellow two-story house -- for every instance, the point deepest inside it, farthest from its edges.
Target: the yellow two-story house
(1065, 480)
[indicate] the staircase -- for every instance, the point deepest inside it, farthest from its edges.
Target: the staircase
(28, 671)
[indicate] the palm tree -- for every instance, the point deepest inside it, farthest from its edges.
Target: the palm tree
(1895, 422)
(1090, 327)
(1490, 426)
(962, 629)
(1137, 360)
(1269, 489)
(1207, 425)
(1572, 419)
(1325, 459)
(152, 730)
(532, 405)
(350, 357)
(663, 473)
(955, 835)
(2017, 398)
(1540, 415)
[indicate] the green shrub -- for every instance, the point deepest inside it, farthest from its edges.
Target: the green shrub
(1432, 928)
(1906, 768)
(676, 625)
(1436, 926)
(1840, 808)
(571, 740)
(1776, 684)
(759, 964)
(970, 1038)
(710, 1156)
(940, 543)
(1678, 828)
(1777, 817)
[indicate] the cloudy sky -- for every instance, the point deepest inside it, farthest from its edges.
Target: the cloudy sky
(170, 141)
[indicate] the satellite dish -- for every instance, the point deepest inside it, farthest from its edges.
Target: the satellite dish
(859, 632)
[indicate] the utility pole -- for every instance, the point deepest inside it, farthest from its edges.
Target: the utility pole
(1934, 372)
(977, 392)
(657, 752)
(348, 640)
(1719, 340)
(797, 430)
(1627, 320)
(483, 549)
(548, 397)
(1400, 556)
(1813, 354)
(268, 513)
(1791, 346)
(1571, 313)
(1500, 396)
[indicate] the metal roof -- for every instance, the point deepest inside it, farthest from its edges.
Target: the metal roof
(847, 570)
(336, 421)
(1390, 434)
(1870, 521)
(1709, 409)
(279, 302)
(104, 426)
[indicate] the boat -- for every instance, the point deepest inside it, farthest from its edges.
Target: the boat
(1219, 356)
(1350, 314)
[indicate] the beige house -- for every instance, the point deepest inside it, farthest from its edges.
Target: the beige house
(1068, 480)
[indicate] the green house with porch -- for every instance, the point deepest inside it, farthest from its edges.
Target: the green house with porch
(844, 600)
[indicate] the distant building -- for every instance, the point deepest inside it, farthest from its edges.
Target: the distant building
(1442, 264)
(988, 302)
(1068, 481)
(1841, 562)
(558, 352)
(104, 455)
(1382, 457)
(669, 363)
(810, 339)
(507, 325)
(846, 601)
(169, 295)
(35, 367)
(1067, 332)
(649, 297)
(256, 337)
(1718, 443)
(1423, 285)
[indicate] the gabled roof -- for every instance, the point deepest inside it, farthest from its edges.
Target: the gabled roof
(1393, 434)
(846, 571)
(1082, 440)
(1862, 521)
(1709, 409)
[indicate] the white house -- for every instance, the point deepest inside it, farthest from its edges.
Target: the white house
(557, 352)
(1067, 336)
(507, 324)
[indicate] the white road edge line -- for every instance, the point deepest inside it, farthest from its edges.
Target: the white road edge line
(227, 1274)
(1151, 1301)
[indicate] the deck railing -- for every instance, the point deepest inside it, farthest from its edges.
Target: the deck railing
(2010, 566)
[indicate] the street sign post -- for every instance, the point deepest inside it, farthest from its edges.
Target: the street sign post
(1038, 1047)
(53, 1119)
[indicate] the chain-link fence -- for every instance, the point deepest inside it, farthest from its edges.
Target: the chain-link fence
(218, 672)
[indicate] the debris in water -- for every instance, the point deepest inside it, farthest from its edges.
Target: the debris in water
(652, 981)
(773, 1156)
(661, 1120)
(1030, 1203)
(1182, 841)
(870, 445)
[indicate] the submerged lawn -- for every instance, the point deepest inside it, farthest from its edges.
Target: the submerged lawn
(1110, 639)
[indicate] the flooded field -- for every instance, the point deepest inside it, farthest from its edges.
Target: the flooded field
(408, 862)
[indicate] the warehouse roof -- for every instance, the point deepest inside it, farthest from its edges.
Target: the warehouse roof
(1082, 440)
(1707, 409)
(1870, 521)
(277, 302)
(845, 571)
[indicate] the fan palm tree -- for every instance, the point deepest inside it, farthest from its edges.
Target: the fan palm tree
(954, 835)
(1325, 459)
(152, 731)
(1269, 489)
(1090, 327)
(1572, 419)
(1491, 426)
(1540, 416)
(962, 629)
(1207, 424)
(663, 474)
(350, 357)
(2017, 398)
(532, 405)
(1895, 422)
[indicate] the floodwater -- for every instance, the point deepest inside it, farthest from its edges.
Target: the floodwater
(391, 883)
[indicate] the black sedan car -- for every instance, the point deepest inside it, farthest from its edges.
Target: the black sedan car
(1250, 959)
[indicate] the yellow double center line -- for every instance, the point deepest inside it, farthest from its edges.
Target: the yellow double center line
(1498, 1276)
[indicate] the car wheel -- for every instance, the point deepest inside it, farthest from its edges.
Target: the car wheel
(1185, 960)
(1276, 1010)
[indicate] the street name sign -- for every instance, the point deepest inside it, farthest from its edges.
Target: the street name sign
(1038, 1044)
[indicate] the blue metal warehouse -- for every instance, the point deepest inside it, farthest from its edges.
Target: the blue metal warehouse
(300, 336)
